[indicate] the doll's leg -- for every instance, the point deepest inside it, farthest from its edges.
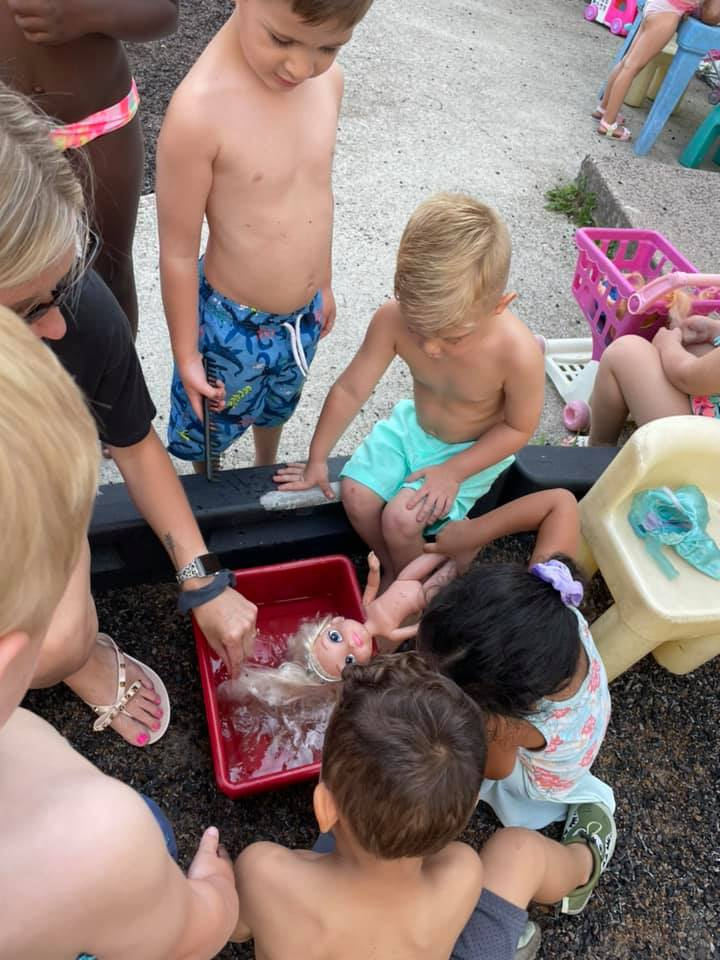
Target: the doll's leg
(654, 33)
(421, 566)
(631, 379)
(364, 511)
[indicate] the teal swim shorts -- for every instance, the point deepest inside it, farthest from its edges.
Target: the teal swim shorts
(398, 446)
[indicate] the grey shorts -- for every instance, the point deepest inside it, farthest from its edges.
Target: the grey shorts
(493, 930)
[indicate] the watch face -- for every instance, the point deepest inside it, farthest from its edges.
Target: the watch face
(210, 562)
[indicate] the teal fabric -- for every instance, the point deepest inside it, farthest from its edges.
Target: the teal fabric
(677, 519)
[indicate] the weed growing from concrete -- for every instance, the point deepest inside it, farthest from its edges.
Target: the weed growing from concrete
(574, 200)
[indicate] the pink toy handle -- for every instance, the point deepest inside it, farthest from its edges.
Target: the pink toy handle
(642, 298)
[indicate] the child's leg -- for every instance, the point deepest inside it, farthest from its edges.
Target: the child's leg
(267, 441)
(364, 510)
(631, 379)
(654, 33)
(523, 866)
(401, 530)
(117, 161)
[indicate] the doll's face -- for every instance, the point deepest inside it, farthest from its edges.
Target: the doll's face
(342, 642)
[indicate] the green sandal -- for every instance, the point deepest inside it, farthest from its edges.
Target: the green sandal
(593, 824)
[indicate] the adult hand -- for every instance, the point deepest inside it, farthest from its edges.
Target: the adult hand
(50, 21)
(196, 386)
(453, 541)
(304, 476)
(329, 311)
(228, 623)
(436, 496)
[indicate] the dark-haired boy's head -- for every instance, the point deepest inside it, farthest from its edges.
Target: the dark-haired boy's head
(404, 757)
(503, 635)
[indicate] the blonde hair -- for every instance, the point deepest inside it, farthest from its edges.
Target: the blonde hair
(454, 253)
(42, 211)
(48, 477)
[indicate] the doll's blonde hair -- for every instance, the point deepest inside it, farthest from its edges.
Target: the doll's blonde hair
(42, 210)
(48, 477)
(454, 254)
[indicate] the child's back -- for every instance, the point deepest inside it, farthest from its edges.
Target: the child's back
(402, 767)
(331, 906)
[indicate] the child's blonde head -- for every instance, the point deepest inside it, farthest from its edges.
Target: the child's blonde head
(454, 255)
(345, 13)
(42, 212)
(48, 477)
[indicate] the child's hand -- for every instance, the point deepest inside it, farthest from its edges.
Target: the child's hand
(664, 338)
(329, 311)
(699, 329)
(196, 386)
(48, 21)
(303, 476)
(453, 541)
(436, 496)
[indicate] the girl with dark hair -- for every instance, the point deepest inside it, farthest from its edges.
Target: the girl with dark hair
(515, 641)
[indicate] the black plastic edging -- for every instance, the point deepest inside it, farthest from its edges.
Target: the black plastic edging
(246, 523)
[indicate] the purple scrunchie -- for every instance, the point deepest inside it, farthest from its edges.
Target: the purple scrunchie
(556, 573)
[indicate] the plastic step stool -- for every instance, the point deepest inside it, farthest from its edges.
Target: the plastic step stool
(694, 40)
(679, 620)
(703, 139)
(647, 83)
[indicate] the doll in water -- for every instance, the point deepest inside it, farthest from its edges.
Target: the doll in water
(321, 648)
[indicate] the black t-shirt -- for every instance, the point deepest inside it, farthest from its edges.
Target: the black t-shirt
(98, 351)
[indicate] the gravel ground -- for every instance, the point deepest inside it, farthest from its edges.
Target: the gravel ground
(660, 896)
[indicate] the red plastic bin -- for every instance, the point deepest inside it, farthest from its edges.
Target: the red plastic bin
(284, 594)
(601, 287)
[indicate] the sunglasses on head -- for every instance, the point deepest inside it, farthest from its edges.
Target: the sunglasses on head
(60, 294)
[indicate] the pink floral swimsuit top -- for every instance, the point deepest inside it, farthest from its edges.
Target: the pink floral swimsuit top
(573, 729)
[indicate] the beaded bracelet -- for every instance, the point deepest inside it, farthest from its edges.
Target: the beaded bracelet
(189, 599)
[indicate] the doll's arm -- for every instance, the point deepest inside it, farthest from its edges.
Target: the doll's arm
(400, 635)
(372, 584)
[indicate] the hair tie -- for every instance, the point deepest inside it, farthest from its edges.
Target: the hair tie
(557, 574)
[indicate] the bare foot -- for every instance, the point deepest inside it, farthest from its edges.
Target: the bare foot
(96, 682)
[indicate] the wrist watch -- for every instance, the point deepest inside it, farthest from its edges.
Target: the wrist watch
(206, 565)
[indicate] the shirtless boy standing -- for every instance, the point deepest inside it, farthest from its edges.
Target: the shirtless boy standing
(68, 56)
(248, 141)
(478, 381)
(401, 769)
(84, 867)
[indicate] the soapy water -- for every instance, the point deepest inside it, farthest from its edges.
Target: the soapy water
(266, 727)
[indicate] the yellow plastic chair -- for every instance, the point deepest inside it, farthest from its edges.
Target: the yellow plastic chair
(677, 620)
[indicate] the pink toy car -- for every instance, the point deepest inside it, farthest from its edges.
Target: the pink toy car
(617, 15)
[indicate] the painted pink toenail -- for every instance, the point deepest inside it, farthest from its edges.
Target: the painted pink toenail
(159, 712)
(142, 739)
(155, 726)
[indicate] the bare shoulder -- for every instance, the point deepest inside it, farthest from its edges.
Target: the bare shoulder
(458, 871)
(388, 316)
(525, 349)
(267, 863)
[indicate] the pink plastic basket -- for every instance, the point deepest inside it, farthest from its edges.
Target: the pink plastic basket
(601, 285)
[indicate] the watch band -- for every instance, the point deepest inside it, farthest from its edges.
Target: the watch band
(206, 565)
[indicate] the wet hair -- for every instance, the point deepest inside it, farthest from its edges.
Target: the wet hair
(404, 756)
(454, 254)
(346, 13)
(503, 635)
(42, 210)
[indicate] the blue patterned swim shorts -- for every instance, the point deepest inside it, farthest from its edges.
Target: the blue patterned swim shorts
(262, 358)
